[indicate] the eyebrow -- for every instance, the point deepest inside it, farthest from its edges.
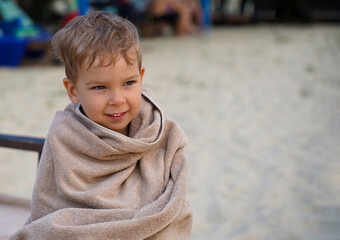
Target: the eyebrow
(133, 76)
(95, 82)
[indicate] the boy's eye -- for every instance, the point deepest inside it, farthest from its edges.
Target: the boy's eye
(99, 87)
(128, 83)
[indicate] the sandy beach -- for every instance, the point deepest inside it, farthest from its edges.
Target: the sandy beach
(260, 107)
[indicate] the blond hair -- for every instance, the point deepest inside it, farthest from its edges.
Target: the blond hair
(96, 35)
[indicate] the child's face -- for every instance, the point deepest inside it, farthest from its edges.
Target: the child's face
(110, 96)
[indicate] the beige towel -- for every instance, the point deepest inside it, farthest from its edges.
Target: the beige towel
(94, 183)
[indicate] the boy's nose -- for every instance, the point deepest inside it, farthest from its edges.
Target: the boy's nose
(116, 98)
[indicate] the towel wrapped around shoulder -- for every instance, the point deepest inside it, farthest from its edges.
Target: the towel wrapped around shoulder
(94, 183)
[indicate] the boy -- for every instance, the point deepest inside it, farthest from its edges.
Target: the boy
(113, 165)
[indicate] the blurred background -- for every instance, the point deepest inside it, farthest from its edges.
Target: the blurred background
(26, 26)
(255, 85)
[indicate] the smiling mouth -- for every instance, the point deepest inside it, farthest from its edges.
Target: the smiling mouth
(117, 116)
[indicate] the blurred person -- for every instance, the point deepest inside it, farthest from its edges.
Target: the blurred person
(188, 14)
(113, 164)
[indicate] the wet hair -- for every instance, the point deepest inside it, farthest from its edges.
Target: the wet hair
(99, 35)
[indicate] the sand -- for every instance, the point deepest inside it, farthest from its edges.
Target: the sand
(260, 106)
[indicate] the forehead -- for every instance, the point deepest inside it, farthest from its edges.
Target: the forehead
(130, 57)
(119, 65)
(119, 70)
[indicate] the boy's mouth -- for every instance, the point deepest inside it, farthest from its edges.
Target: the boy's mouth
(117, 116)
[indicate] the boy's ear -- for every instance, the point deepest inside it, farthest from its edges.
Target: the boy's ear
(142, 71)
(71, 90)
